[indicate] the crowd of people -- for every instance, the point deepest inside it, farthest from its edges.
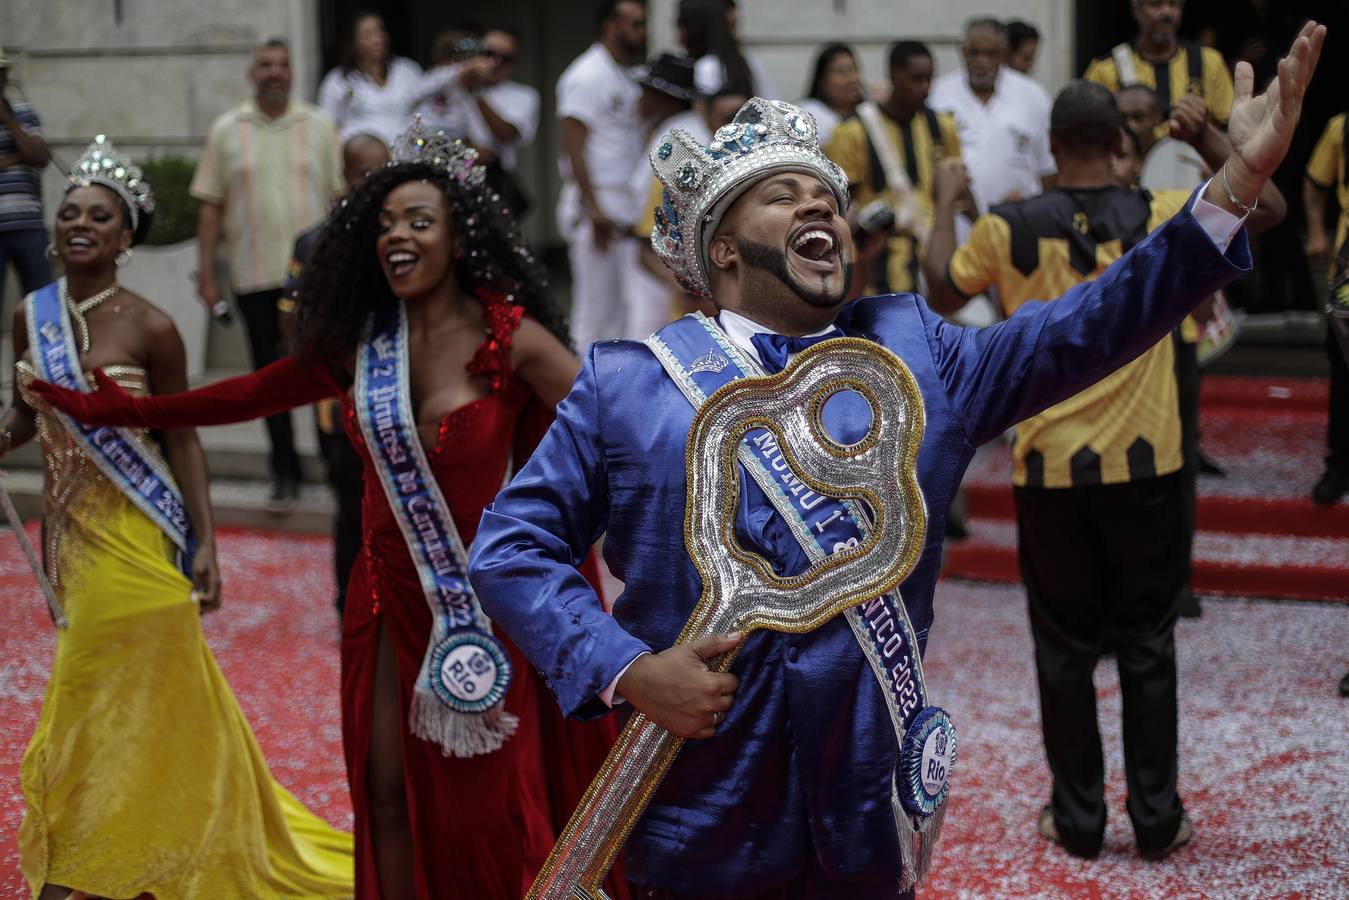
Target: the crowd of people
(481, 440)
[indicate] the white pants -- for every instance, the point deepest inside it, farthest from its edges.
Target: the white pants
(601, 288)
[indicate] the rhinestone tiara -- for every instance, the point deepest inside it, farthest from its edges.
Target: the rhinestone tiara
(701, 183)
(421, 145)
(102, 164)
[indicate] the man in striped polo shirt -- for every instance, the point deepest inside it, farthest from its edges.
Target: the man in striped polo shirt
(23, 153)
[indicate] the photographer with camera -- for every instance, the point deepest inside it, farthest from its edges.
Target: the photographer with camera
(469, 94)
(23, 153)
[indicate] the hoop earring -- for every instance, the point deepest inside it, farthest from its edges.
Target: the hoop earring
(124, 257)
(50, 253)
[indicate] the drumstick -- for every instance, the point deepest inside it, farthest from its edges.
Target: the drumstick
(12, 514)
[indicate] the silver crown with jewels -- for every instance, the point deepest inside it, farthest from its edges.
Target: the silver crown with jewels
(420, 145)
(102, 164)
(766, 136)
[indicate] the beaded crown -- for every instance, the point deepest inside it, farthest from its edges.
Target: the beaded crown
(701, 183)
(420, 145)
(104, 165)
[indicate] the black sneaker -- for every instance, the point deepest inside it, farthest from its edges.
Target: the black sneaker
(1344, 685)
(1332, 487)
(284, 497)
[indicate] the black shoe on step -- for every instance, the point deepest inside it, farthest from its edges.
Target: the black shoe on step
(1332, 487)
(1207, 466)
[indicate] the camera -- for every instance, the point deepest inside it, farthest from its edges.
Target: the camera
(876, 217)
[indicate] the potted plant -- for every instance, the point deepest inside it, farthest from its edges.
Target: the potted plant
(163, 268)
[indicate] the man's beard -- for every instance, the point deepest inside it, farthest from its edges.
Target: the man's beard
(774, 262)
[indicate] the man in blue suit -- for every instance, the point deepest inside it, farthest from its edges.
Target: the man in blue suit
(788, 789)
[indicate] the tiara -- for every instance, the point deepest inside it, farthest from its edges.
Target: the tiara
(436, 148)
(102, 164)
(701, 183)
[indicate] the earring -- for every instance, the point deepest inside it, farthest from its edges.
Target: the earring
(50, 253)
(124, 257)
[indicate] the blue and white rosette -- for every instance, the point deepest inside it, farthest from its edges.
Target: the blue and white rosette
(141, 476)
(700, 359)
(465, 673)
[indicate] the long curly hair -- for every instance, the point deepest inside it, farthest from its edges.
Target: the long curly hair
(343, 282)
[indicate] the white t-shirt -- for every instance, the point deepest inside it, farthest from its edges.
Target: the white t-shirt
(359, 106)
(602, 95)
(1004, 142)
(709, 75)
(445, 106)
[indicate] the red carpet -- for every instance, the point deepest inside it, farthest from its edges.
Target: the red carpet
(1259, 533)
(1264, 772)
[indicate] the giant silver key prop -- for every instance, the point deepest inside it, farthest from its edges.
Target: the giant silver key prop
(12, 514)
(740, 590)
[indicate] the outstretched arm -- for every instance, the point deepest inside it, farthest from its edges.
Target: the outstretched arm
(285, 384)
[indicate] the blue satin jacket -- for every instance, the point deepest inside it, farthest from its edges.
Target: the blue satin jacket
(802, 764)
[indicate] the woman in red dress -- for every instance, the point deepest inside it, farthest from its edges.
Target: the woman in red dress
(483, 347)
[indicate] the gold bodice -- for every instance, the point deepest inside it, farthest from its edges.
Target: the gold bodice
(73, 488)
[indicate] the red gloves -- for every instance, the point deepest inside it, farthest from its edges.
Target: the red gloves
(283, 385)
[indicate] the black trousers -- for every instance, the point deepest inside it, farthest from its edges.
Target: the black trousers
(346, 476)
(1337, 429)
(1102, 565)
(264, 345)
(1187, 390)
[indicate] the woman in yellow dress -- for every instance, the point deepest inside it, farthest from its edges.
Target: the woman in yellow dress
(143, 777)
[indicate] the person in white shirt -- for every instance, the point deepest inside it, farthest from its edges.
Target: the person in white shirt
(835, 89)
(601, 143)
(707, 31)
(370, 92)
(1002, 118)
(489, 110)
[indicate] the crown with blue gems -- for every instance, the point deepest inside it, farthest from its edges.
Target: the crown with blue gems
(420, 145)
(701, 183)
(103, 165)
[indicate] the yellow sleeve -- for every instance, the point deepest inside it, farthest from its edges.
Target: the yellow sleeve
(1166, 204)
(1102, 71)
(848, 148)
(977, 263)
(208, 182)
(1324, 166)
(648, 214)
(950, 138)
(1217, 85)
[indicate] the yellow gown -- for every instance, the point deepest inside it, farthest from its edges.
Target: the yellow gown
(143, 775)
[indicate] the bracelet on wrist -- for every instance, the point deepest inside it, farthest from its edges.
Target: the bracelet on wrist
(1232, 198)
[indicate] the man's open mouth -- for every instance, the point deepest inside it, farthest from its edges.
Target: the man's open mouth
(816, 245)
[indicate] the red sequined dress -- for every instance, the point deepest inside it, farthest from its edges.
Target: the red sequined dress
(483, 826)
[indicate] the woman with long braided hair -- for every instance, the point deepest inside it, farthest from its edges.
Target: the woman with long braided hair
(423, 310)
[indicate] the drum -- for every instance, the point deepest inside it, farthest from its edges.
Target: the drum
(1172, 165)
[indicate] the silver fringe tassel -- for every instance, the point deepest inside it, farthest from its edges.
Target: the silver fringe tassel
(916, 844)
(459, 734)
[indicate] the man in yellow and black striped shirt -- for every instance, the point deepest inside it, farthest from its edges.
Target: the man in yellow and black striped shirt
(1327, 171)
(1159, 59)
(919, 138)
(1099, 494)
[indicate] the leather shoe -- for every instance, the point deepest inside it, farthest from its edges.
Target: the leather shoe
(1332, 487)
(1183, 835)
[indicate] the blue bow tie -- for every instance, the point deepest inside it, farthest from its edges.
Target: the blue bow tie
(775, 348)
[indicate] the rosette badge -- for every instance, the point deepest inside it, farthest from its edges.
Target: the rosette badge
(701, 183)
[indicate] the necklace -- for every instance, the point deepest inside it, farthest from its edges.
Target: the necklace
(79, 310)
